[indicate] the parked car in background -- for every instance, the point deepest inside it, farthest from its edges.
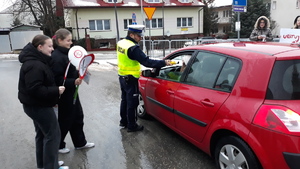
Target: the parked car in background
(202, 40)
(239, 102)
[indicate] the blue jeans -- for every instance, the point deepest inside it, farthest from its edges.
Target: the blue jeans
(47, 137)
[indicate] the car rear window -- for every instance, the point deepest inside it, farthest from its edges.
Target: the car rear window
(285, 81)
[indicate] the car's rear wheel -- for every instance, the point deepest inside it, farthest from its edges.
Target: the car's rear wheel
(232, 152)
(141, 111)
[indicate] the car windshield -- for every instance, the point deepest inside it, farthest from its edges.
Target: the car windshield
(285, 81)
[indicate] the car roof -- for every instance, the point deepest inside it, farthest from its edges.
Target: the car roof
(207, 37)
(269, 49)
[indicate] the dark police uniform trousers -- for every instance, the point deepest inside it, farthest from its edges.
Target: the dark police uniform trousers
(129, 100)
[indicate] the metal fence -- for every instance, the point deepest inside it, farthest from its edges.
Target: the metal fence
(161, 48)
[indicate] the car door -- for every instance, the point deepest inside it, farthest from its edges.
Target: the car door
(205, 88)
(160, 90)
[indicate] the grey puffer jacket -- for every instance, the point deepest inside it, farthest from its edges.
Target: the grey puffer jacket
(257, 31)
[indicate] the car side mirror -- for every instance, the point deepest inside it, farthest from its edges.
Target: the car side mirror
(147, 73)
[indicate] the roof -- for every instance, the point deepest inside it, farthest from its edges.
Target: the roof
(24, 27)
(127, 3)
(269, 49)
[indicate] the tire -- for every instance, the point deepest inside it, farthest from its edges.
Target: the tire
(141, 111)
(228, 148)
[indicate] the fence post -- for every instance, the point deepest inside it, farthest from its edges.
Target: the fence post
(170, 43)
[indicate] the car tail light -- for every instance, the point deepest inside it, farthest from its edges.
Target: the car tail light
(278, 118)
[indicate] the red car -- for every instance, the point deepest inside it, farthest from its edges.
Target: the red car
(238, 102)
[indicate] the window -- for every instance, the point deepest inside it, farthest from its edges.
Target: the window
(155, 23)
(153, 1)
(228, 74)
(127, 22)
(178, 70)
(99, 24)
(185, 1)
(216, 14)
(297, 4)
(205, 69)
(184, 22)
(285, 81)
(274, 5)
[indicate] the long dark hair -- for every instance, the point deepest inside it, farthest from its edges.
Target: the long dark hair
(295, 22)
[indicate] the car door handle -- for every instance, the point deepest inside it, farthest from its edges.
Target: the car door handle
(207, 103)
(170, 91)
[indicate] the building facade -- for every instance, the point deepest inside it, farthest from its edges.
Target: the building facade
(284, 13)
(105, 19)
(224, 15)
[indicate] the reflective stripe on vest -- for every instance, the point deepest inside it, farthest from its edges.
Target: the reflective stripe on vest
(127, 66)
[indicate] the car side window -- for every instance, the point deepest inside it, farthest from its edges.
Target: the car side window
(205, 69)
(228, 74)
(174, 72)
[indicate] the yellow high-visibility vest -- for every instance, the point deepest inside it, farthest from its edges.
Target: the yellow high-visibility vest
(127, 66)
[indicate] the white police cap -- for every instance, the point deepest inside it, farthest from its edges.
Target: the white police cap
(138, 29)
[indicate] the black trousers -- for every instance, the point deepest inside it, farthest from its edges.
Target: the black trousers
(129, 100)
(70, 118)
(47, 135)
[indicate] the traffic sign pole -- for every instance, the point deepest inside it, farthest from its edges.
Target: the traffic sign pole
(239, 6)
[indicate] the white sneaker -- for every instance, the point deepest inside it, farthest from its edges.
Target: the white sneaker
(63, 167)
(60, 163)
(87, 145)
(64, 150)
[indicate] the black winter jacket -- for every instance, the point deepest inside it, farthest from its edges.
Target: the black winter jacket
(36, 81)
(60, 63)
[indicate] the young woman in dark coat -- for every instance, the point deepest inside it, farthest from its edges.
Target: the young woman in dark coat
(70, 116)
(38, 93)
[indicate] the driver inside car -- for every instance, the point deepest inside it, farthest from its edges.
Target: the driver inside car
(176, 75)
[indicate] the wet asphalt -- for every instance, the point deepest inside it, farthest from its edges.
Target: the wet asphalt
(156, 147)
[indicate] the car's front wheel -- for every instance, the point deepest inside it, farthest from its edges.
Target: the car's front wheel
(232, 152)
(141, 111)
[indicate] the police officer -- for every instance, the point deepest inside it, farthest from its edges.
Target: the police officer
(130, 56)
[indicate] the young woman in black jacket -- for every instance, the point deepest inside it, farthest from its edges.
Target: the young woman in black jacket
(38, 93)
(70, 116)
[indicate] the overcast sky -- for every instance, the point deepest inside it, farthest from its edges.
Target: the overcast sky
(222, 2)
(5, 3)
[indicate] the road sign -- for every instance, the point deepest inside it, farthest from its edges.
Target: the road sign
(133, 19)
(239, 2)
(239, 9)
(149, 12)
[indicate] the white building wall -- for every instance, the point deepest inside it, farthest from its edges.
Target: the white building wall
(284, 13)
(20, 38)
(170, 19)
(4, 44)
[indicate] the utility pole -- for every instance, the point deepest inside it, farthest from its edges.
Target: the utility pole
(117, 25)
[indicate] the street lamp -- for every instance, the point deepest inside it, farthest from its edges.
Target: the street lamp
(163, 25)
(144, 46)
(117, 26)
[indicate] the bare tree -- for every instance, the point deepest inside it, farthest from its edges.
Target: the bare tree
(43, 13)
